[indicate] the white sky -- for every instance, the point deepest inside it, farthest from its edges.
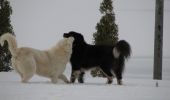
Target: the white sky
(41, 23)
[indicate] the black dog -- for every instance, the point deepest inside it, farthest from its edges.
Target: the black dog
(110, 59)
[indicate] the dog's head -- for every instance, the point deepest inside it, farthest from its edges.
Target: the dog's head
(78, 38)
(66, 44)
(69, 40)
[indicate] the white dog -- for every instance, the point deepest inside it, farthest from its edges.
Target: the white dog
(48, 63)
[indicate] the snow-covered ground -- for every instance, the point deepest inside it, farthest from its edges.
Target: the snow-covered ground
(138, 85)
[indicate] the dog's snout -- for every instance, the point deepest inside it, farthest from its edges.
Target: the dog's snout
(65, 35)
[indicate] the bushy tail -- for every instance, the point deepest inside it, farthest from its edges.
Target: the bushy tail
(12, 43)
(121, 51)
(122, 48)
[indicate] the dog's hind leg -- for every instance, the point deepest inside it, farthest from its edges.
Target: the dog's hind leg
(119, 77)
(26, 76)
(64, 78)
(108, 73)
(27, 69)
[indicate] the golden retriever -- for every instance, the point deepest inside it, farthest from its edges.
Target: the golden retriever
(49, 63)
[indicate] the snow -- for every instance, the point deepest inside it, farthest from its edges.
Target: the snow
(138, 85)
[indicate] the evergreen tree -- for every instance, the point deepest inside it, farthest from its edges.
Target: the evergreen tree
(107, 30)
(5, 26)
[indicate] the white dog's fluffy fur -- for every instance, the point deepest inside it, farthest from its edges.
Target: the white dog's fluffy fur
(48, 63)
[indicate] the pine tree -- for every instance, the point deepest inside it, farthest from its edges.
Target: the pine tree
(107, 30)
(5, 26)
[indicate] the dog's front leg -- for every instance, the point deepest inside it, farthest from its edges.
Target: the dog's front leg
(81, 76)
(74, 76)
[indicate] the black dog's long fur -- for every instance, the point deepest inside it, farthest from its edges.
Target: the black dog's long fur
(110, 59)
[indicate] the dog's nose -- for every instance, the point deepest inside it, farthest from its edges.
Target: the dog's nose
(65, 35)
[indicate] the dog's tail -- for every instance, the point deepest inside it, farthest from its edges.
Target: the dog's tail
(121, 51)
(122, 48)
(12, 43)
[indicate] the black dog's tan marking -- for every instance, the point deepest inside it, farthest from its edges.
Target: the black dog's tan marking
(110, 59)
